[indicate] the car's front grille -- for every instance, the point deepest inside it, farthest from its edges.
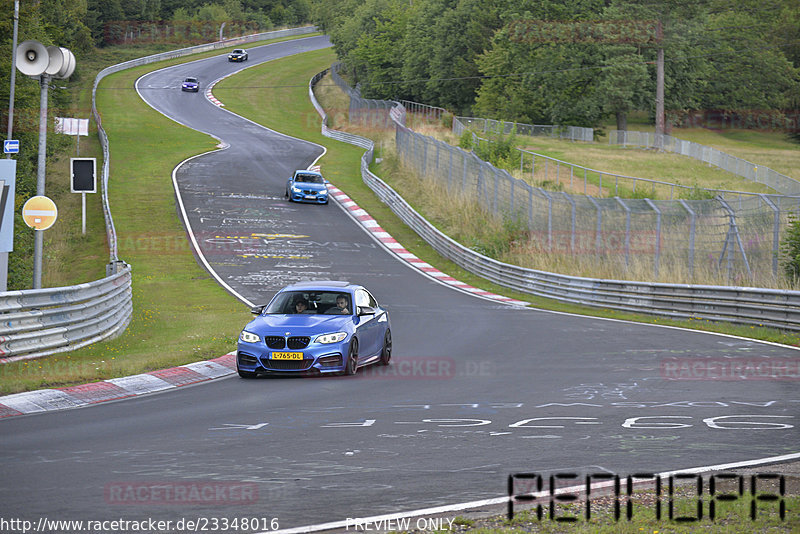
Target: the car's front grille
(287, 365)
(275, 342)
(299, 342)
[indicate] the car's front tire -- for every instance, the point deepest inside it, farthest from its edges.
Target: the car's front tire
(386, 352)
(351, 366)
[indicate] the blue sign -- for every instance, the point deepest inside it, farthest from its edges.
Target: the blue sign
(11, 146)
(8, 178)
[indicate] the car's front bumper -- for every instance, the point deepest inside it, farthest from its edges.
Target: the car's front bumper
(317, 358)
(235, 59)
(190, 89)
(312, 197)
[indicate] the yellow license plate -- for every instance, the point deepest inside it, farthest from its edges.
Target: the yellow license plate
(287, 355)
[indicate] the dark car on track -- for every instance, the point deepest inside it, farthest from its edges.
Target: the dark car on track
(329, 327)
(190, 84)
(239, 54)
(307, 186)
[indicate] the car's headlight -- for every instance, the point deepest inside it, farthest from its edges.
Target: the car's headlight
(249, 337)
(331, 338)
(296, 189)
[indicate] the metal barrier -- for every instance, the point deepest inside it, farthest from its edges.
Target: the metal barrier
(741, 305)
(40, 322)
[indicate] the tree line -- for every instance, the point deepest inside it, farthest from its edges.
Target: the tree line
(575, 63)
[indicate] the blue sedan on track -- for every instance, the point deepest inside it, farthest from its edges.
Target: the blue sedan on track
(190, 84)
(315, 327)
(307, 186)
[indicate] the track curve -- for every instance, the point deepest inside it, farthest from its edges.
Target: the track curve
(478, 390)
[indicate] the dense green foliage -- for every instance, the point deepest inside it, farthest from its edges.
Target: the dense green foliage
(546, 61)
(135, 21)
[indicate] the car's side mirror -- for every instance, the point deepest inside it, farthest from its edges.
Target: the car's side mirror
(365, 310)
(256, 310)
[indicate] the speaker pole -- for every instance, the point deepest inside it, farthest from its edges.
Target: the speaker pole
(38, 242)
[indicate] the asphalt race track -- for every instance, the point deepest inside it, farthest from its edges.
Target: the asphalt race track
(477, 389)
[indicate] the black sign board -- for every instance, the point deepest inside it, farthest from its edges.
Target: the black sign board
(82, 171)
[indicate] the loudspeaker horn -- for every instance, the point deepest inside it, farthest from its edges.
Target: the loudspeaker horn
(32, 58)
(56, 60)
(69, 64)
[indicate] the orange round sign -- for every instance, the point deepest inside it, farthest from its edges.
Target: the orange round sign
(39, 213)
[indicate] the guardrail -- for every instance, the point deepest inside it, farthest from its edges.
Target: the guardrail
(40, 322)
(741, 305)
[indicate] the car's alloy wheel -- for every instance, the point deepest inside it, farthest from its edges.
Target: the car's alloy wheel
(351, 366)
(386, 353)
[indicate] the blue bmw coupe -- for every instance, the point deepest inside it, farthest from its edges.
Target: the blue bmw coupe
(307, 186)
(315, 327)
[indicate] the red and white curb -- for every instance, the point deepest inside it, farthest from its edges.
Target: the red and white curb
(366, 220)
(46, 400)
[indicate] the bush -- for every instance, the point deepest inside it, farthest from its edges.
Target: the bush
(465, 141)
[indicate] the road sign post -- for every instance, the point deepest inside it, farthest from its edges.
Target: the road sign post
(39, 212)
(83, 180)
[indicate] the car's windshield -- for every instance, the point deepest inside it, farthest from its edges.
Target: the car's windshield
(191, 80)
(310, 302)
(238, 51)
(309, 178)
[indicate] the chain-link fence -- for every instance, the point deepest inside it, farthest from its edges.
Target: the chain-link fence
(573, 133)
(738, 166)
(735, 239)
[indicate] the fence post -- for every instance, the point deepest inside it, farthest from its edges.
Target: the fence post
(692, 218)
(584, 181)
(733, 233)
(573, 219)
(657, 258)
(549, 219)
(776, 244)
(450, 170)
(598, 239)
(627, 231)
